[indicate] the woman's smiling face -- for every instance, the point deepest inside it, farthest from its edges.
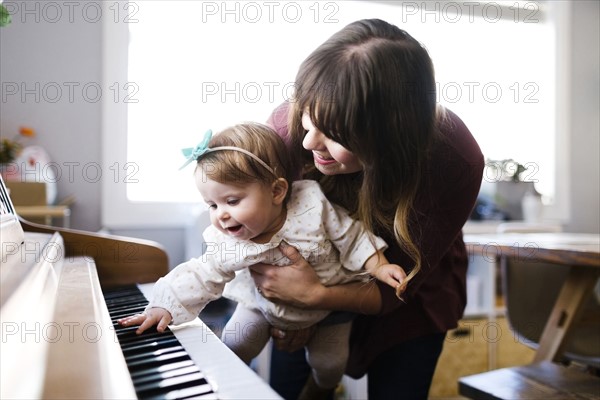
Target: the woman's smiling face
(330, 157)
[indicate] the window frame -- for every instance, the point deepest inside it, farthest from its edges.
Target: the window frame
(120, 212)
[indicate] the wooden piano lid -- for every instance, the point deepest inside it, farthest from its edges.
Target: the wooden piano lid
(49, 288)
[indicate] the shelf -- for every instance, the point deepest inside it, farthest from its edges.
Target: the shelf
(46, 212)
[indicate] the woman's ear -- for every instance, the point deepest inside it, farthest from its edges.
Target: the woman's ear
(279, 188)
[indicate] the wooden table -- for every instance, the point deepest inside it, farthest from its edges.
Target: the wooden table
(581, 252)
(537, 381)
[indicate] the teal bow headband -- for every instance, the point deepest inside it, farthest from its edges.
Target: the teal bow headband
(201, 148)
(193, 154)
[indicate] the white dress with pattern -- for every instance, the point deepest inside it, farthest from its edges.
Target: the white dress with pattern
(336, 245)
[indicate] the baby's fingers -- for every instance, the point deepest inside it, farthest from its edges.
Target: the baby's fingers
(393, 281)
(396, 278)
(132, 320)
(399, 274)
(148, 323)
(155, 316)
(391, 276)
(163, 323)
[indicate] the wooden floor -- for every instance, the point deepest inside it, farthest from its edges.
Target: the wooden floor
(476, 346)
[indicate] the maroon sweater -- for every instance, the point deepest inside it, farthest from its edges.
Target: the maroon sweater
(436, 297)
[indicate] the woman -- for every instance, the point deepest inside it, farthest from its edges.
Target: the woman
(365, 110)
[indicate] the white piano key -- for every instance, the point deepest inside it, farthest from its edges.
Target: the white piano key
(231, 377)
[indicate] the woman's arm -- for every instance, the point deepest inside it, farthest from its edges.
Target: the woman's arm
(297, 284)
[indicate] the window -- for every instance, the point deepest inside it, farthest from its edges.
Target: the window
(179, 68)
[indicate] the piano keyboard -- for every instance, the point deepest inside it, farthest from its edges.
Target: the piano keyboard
(186, 361)
(160, 367)
(58, 341)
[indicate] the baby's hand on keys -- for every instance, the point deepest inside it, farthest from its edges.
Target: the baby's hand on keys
(153, 316)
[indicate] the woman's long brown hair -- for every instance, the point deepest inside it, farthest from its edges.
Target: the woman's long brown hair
(371, 88)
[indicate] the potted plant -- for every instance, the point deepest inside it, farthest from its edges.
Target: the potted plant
(512, 186)
(10, 149)
(4, 15)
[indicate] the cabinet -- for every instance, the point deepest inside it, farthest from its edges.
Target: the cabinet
(31, 203)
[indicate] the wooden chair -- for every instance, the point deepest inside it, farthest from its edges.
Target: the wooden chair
(529, 300)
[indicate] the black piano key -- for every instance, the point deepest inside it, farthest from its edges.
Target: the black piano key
(125, 300)
(153, 353)
(140, 374)
(171, 384)
(121, 292)
(159, 366)
(136, 348)
(149, 378)
(125, 311)
(176, 379)
(135, 339)
(162, 359)
(196, 393)
(143, 341)
(132, 337)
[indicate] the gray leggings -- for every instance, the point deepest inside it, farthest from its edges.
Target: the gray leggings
(247, 332)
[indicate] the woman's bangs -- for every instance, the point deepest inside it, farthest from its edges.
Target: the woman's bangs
(330, 113)
(331, 94)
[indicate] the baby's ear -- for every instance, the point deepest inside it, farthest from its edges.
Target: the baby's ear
(279, 188)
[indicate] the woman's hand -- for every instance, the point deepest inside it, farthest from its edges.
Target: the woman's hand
(153, 316)
(296, 284)
(292, 340)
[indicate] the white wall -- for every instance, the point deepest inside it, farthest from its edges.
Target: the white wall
(44, 59)
(44, 49)
(585, 117)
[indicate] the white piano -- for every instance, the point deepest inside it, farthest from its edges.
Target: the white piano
(59, 339)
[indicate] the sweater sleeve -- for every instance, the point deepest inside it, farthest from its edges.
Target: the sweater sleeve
(189, 287)
(444, 202)
(279, 121)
